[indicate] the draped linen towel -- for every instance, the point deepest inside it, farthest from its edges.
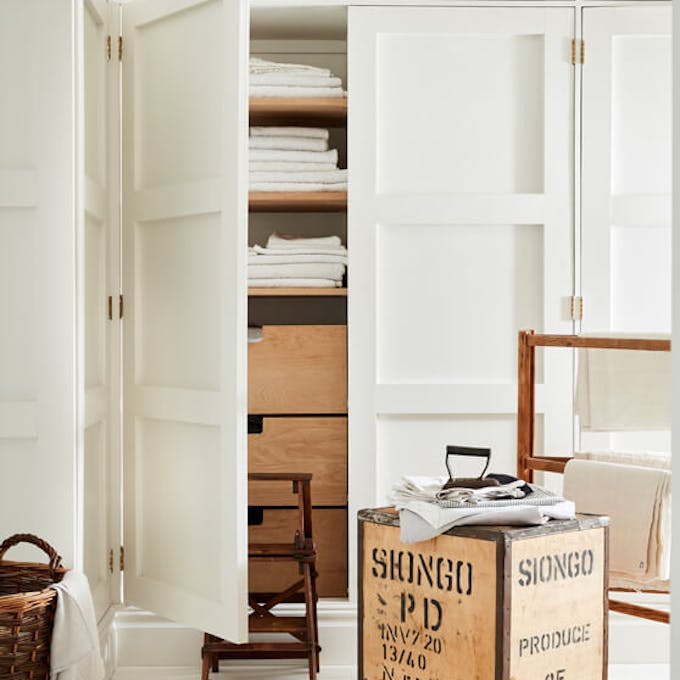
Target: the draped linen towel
(623, 390)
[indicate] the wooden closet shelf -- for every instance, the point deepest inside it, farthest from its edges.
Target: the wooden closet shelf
(297, 292)
(297, 201)
(321, 112)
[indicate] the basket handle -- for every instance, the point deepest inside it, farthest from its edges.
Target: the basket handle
(55, 558)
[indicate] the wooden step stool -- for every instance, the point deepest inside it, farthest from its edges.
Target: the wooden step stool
(304, 629)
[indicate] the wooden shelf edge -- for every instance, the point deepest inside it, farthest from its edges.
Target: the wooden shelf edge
(297, 292)
(297, 201)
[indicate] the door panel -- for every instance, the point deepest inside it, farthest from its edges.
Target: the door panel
(626, 185)
(100, 278)
(184, 144)
(460, 232)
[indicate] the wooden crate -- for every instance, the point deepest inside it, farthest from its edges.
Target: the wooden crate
(330, 535)
(489, 603)
(316, 445)
(298, 370)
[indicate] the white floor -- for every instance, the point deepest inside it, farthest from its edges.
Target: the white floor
(629, 672)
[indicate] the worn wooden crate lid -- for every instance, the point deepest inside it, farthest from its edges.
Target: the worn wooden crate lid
(390, 517)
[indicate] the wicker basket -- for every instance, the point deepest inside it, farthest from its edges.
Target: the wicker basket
(27, 607)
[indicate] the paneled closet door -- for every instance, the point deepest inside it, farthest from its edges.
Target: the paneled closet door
(460, 232)
(185, 206)
(38, 491)
(626, 185)
(100, 335)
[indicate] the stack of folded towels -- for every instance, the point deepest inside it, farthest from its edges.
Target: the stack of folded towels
(293, 262)
(271, 79)
(293, 159)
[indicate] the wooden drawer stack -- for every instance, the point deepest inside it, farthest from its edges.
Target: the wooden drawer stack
(297, 387)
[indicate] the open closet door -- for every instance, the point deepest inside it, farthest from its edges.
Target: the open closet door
(99, 278)
(184, 245)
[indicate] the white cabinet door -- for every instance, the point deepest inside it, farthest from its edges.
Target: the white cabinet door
(99, 336)
(460, 231)
(626, 185)
(38, 491)
(626, 235)
(184, 222)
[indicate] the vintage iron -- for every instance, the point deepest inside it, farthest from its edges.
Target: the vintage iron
(480, 482)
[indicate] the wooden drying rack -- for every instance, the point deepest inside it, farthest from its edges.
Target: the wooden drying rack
(527, 462)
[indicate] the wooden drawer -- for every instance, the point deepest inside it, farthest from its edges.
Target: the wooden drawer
(298, 369)
(330, 534)
(316, 445)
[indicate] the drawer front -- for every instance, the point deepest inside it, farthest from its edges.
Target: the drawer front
(330, 534)
(316, 445)
(298, 369)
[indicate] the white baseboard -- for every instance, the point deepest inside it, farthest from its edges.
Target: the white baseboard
(144, 640)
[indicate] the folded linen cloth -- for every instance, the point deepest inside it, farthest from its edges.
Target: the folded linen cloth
(286, 258)
(476, 496)
(296, 271)
(295, 91)
(422, 520)
(288, 167)
(289, 131)
(294, 79)
(333, 252)
(637, 499)
(283, 241)
(653, 459)
(623, 390)
(294, 143)
(330, 156)
(294, 283)
(258, 65)
(325, 177)
(74, 651)
(297, 186)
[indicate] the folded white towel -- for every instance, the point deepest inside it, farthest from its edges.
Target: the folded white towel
(288, 166)
(272, 131)
(294, 80)
(277, 240)
(293, 283)
(287, 258)
(297, 186)
(638, 501)
(318, 270)
(422, 520)
(623, 390)
(330, 156)
(74, 652)
(295, 91)
(340, 251)
(258, 65)
(293, 143)
(325, 177)
(653, 459)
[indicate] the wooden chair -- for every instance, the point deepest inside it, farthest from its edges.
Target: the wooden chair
(303, 629)
(527, 462)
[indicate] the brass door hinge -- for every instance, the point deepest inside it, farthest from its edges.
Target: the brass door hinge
(576, 308)
(110, 307)
(108, 48)
(121, 561)
(111, 561)
(578, 52)
(120, 48)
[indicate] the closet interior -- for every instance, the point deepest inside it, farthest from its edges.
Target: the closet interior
(297, 348)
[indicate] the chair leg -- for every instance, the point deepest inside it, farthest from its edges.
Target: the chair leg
(205, 670)
(310, 606)
(215, 663)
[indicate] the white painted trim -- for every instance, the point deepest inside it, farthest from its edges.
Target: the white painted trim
(144, 640)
